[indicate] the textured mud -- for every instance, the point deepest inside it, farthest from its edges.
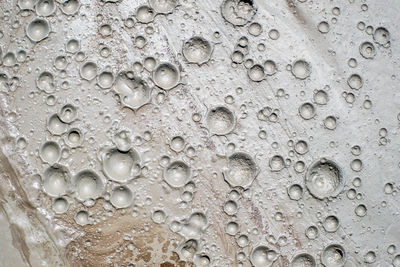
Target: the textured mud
(199, 133)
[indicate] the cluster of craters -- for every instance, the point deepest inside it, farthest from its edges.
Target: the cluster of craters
(147, 85)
